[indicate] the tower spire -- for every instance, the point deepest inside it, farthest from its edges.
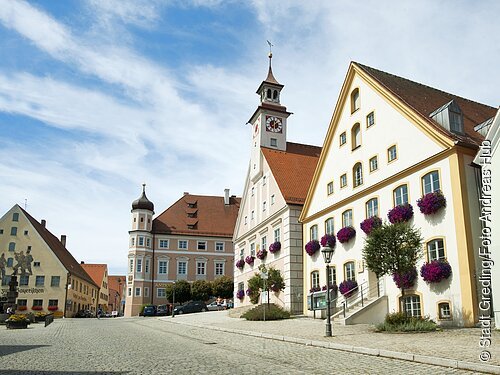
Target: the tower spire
(270, 77)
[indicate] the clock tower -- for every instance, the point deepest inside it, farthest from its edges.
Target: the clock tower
(268, 122)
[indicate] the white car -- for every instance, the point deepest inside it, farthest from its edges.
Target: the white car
(216, 307)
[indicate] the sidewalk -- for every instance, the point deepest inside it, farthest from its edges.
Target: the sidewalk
(457, 348)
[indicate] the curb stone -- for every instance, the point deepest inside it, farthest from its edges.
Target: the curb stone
(436, 361)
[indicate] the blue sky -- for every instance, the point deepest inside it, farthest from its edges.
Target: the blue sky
(99, 96)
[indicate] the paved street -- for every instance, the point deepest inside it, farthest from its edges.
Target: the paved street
(156, 346)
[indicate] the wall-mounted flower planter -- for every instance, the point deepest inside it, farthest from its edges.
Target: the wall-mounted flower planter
(401, 213)
(275, 247)
(240, 294)
(346, 234)
(348, 287)
(312, 246)
(240, 263)
(368, 225)
(249, 259)
(435, 271)
(431, 203)
(261, 254)
(328, 240)
(405, 280)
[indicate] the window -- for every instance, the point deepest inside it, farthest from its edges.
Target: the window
(161, 292)
(329, 188)
(132, 241)
(392, 153)
(343, 139)
(22, 302)
(25, 232)
(315, 279)
(313, 232)
(401, 195)
(10, 262)
(332, 275)
(435, 250)
(264, 205)
(141, 241)
(219, 246)
(53, 302)
(138, 266)
(343, 180)
(55, 281)
(264, 180)
(349, 271)
(129, 292)
(36, 264)
(40, 281)
(329, 227)
(373, 163)
(412, 304)
(13, 231)
(38, 302)
(372, 208)
(24, 280)
(356, 136)
(202, 245)
(6, 280)
(370, 119)
(444, 310)
(246, 220)
(277, 235)
(272, 199)
(146, 266)
(1, 231)
(137, 292)
(274, 142)
(146, 291)
(200, 268)
(182, 267)
(357, 174)
(430, 182)
(131, 266)
(12, 246)
(241, 286)
(182, 244)
(252, 215)
(354, 100)
(252, 249)
(148, 242)
(347, 218)
(264, 243)
(15, 216)
(219, 268)
(253, 191)
(162, 267)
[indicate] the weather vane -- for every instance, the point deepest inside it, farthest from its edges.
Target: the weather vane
(270, 48)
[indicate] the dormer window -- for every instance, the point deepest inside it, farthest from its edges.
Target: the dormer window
(450, 117)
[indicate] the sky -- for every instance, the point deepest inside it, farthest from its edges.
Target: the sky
(100, 96)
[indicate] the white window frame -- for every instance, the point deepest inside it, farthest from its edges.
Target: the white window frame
(315, 279)
(313, 232)
(264, 206)
(277, 234)
(357, 174)
(370, 116)
(347, 218)
(400, 195)
(185, 267)
(350, 270)
(146, 265)
(163, 244)
(131, 265)
(137, 291)
(219, 268)
(138, 265)
(435, 249)
(274, 142)
(413, 305)
(252, 249)
(162, 267)
(273, 199)
(373, 163)
(219, 246)
(141, 241)
(203, 264)
(148, 242)
(392, 153)
(342, 138)
(179, 242)
(202, 244)
(330, 226)
(329, 188)
(263, 242)
(162, 294)
(146, 291)
(433, 183)
(372, 207)
(343, 180)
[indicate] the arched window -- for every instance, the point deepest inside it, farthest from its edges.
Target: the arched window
(275, 94)
(349, 271)
(315, 279)
(412, 304)
(12, 246)
(400, 195)
(329, 228)
(435, 249)
(314, 232)
(372, 208)
(354, 100)
(347, 218)
(356, 136)
(430, 182)
(357, 174)
(269, 93)
(444, 310)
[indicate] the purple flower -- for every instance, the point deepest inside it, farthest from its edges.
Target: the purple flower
(274, 288)
(314, 289)
(261, 254)
(328, 240)
(240, 263)
(240, 294)
(275, 247)
(345, 234)
(249, 291)
(250, 259)
(312, 246)
(435, 271)
(431, 203)
(370, 224)
(398, 214)
(405, 280)
(348, 287)
(333, 287)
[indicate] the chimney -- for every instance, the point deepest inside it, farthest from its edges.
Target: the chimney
(82, 262)
(186, 193)
(43, 222)
(226, 196)
(63, 239)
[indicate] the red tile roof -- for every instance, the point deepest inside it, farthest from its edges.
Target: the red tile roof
(424, 100)
(70, 263)
(213, 218)
(95, 271)
(114, 284)
(293, 169)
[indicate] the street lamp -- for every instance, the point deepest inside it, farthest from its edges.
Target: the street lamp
(327, 256)
(173, 300)
(265, 276)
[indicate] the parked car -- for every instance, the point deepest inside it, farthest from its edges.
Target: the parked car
(149, 310)
(84, 314)
(162, 310)
(216, 306)
(191, 307)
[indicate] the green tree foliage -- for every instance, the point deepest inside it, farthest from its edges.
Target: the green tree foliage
(201, 290)
(182, 291)
(223, 287)
(256, 285)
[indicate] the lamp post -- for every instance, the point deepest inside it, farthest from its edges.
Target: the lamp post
(265, 275)
(173, 300)
(327, 256)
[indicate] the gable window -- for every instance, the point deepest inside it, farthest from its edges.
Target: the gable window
(55, 281)
(12, 246)
(314, 279)
(329, 228)
(277, 235)
(182, 267)
(349, 271)
(182, 244)
(202, 245)
(373, 163)
(435, 250)
(25, 232)
(163, 244)
(314, 232)
(263, 242)
(357, 174)
(372, 208)
(329, 188)
(392, 154)
(347, 218)
(412, 305)
(274, 142)
(370, 119)
(354, 100)
(343, 139)
(430, 182)
(400, 195)
(444, 310)
(162, 267)
(343, 180)
(138, 266)
(15, 216)
(356, 136)
(219, 246)
(13, 231)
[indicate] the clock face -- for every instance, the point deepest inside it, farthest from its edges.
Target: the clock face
(274, 124)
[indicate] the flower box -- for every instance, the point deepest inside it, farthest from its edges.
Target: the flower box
(240, 294)
(22, 308)
(53, 308)
(36, 308)
(431, 203)
(345, 234)
(348, 287)
(405, 280)
(312, 246)
(17, 324)
(240, 263)
(435, 271)
(315, 289)
(261, 254)
(328, 240)
(275, 247)
(401, 213)
(250, 259)
(333, 287)
(368, 225)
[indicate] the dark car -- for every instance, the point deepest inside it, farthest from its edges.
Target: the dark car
(191, 307)
(149, 311)
(162, 310)
(84, 314)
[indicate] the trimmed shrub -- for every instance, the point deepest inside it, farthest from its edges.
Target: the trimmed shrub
(398, 322)
(273, 312)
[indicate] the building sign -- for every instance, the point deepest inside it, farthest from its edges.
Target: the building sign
(4, 292)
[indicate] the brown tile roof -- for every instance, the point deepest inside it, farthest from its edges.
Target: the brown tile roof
(113, 282)
(214, 218)
(424, 100)
(293, 169)
(70, 263)
(95, 271)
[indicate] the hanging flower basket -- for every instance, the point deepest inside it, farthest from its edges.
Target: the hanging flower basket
(240, 294)
(275, 247)
(401, 213)
(261, 254)
(315, 289)
(312, 246)
(431, 203)
(405, 280)
(53, 308)
(36, 308)
(435, 271)
(370, 224)
(348, 287)
(333, 287)
(345, 234)
(328, 240)
(240, 263)
(249, 259)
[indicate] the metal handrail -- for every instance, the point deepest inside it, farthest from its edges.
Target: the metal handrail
(358, 297)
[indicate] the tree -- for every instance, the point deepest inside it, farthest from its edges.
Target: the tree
(182, 291)
(201, 290)
(256, 283)
(223, 287)
(393, 249)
